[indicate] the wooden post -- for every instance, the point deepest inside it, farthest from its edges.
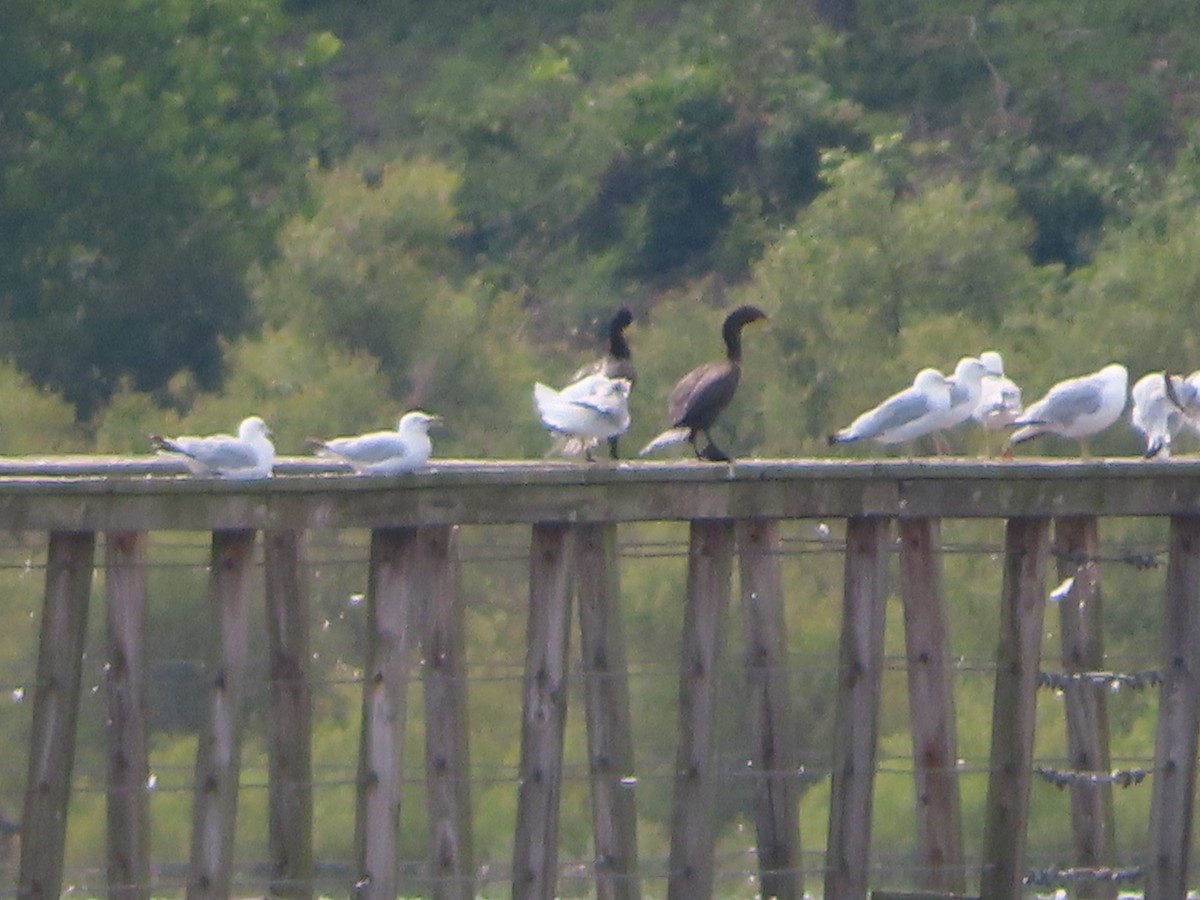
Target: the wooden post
(543, 712)
(394, 589)
(1076, 543)
(606, 700)
(289, 716)
(218, 756)
(773, 754)
(69, 561)
(1014, 707)
(1178, 719)
(125, 681)
(856, 721)
(447, 756)
(710, 565)
(931, 707)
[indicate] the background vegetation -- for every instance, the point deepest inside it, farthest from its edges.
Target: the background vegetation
(329, 211)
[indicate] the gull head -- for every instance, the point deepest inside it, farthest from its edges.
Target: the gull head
(418, 421)
(970, 370)
(1115, 373)
(252, 428)
(992, 362)
(929, 380)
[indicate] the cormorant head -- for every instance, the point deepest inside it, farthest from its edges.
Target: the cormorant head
(732, 330)
(743, 315)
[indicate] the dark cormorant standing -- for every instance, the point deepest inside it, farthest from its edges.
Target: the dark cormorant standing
(617, 364)
(703, 393)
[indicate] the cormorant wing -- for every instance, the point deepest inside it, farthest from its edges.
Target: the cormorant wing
(702, 394)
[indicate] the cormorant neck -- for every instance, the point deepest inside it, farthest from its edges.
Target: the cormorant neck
(618, 347)
(732, 333)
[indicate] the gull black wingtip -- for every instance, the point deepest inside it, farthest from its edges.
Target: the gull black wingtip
(1169, 387)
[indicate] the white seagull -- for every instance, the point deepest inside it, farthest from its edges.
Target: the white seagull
(585, 412)
(1076, 408)
(966, 387)
(618, 363)
(384, 452)
(1188, 400)
(1000, 398)
(249, 455)
(1160, 409)
(905, 416)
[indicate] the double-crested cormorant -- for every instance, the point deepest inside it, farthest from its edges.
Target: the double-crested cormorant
(703, 393)
(903, 417)
(406, 449)
(249, 455)
(585, 412)
(1076, 408)
(618, 363)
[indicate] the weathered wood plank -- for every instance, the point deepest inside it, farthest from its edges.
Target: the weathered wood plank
(289, 715)
(447, 752)
(218, 756)
(931, 708)
(128, 809)
(773, 749)
(1014, 706)
(1076, 545)
(606, 702)
(543, 713)
(1178, 719)
(856, 719)
(395, 587)
(69, 561)
(710, 565)
(526, 492)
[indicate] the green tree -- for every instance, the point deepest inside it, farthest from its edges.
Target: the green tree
(375, 272)
(34, 420)
(869, 287)
(148, 155)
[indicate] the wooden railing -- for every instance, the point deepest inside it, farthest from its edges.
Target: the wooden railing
(1052, 510)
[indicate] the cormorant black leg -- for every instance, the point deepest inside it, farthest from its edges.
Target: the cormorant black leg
(712, 452)
(612, 447)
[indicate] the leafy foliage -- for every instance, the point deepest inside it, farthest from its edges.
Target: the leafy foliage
(150, 154)
(935, 179)
(33, 420)
(864, 283)
(374, 272)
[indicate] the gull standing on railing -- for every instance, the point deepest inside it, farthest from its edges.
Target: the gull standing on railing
(999, 397)
(617, 363)
(966, 387)
(1076, 408)
(582, 414)
(904, 416)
